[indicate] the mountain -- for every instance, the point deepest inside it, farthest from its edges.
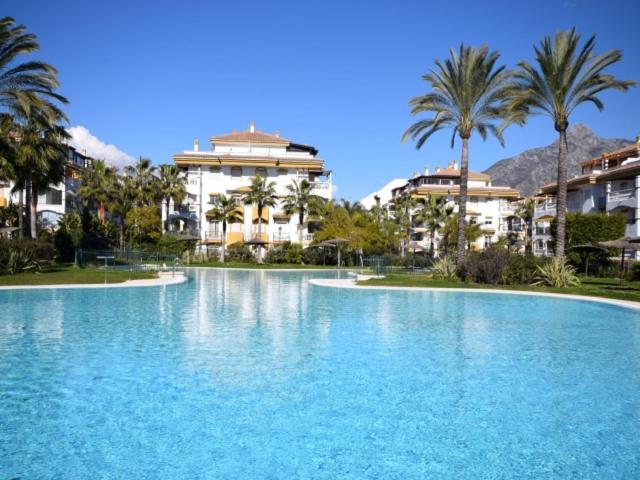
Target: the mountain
(531, 169)
(384, 193)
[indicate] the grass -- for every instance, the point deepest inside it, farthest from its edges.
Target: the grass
(259, 266)
(596, 287)
(68, 273)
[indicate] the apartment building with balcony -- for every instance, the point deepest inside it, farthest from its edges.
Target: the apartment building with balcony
(609, 183)
(58, 199)
(228, 167)
(492, 207)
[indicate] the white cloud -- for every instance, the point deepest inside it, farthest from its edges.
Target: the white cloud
(334, 188)
(84, 141)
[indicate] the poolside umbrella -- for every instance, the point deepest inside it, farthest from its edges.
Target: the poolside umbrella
(587, 248)
(337, 241)
(324, 245)
(623, 243)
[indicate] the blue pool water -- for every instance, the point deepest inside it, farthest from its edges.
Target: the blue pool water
(261, 375)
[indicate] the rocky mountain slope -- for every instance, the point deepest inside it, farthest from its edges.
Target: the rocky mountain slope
(533, 168)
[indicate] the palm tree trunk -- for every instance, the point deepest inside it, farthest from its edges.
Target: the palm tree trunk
(260, 233)
(21, 213)
(101, 211)
(34, 213)
(224, 240)
(27, 205)
(561, 202)
(301, 222)
(432, 238)
(462, 201)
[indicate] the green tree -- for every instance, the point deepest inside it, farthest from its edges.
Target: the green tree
(302, 202)
(469, 93)
(403, 210)
(450, 239)
(146, 183)
(122, 198)
(261, 194)
(143, 223)
(173, 187)
(96, 185)
(566, 76)
(225, 210)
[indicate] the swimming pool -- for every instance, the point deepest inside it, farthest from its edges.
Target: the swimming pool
(241, 374)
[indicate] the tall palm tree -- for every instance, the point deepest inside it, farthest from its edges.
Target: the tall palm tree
(143, 174)
(40, 155)
(173, 186)
(261, 194)
(225, 210)
(525, 212)
(351, 207)
(122, 197)
(300, 200)
(96, 186)
(27, 85)
(469, 93)
(379, 213)
(566, 76)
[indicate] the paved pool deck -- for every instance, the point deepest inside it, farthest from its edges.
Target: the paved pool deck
(162, 280)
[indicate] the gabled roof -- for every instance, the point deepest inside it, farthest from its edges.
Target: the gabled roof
(632, 150)
(249, 136)
(455, 172)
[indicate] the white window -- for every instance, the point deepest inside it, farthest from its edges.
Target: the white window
(236, 172)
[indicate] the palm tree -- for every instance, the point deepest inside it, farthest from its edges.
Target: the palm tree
(121, 200)
(525, 212)
(402, 214)
(24, 86)
(40, 156)
(469, 93)
(433, 212)
(96, 186)
(378, 211)
(225, 210)
(351, 207)
(300, 200)
(143, 174)
(172, 185)
(261, 194)
(566, 77)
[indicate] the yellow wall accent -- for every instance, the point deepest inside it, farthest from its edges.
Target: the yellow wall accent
(3, 202)
(234, 237)
(265, 214)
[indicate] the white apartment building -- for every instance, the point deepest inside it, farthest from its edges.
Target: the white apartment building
(492, 207)
(228, 167)
(57, 199)
(609, 183)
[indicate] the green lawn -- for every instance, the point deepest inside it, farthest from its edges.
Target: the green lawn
(597, 287)
(259, 266)
(64, 274)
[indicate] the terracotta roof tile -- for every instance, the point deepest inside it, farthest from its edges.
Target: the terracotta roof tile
(250, 137)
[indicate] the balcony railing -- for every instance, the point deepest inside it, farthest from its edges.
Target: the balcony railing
(622, 194)
(308, 237)
(320, 185)
(543, 230)
(280, 237)
(213, 235)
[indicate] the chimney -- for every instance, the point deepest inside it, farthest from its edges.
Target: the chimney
(196, 145)
(638, 138)
(277, 133)
(252, 126)
(437, 169)
(454, 164)
(426, 171)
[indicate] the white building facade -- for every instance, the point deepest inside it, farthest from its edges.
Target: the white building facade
(491, 207)
(228, 167)
(607, 184)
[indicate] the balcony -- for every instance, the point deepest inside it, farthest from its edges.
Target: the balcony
(547, 209)
(622, 198)
(213, 236)
(322, 189)
(543, 230)
(281, 237)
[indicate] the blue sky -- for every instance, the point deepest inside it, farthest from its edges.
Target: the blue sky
(149, 77)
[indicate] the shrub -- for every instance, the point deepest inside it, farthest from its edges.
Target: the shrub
(171, 244)
(486, 266)
(557, 273)
(316, 256)
(286, 253)
(239, 252)
(407, 261)
(444, 268)
(21, 255)
(522, 269)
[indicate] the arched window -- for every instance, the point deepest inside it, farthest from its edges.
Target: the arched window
(262, 172)
(236, 172)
